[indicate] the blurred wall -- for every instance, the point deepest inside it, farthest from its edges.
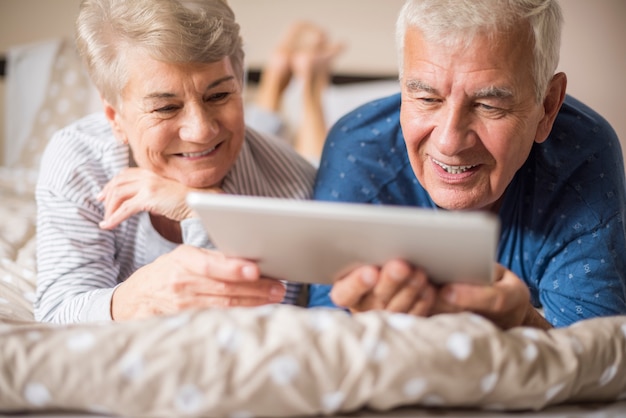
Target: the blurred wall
(365, 26)
(593, 52)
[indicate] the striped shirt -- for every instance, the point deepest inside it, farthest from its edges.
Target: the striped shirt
(79, 265)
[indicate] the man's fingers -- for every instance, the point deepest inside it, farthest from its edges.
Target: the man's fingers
(397, 287)
(505, 302)
(348, 291)
(471, 297)
(401, 286)
(394, 276)
(499, 297)
(415, 297)
(424, 303)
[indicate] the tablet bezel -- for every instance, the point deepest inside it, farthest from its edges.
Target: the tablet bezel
(321, 241)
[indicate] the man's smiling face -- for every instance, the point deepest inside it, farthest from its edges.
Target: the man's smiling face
(469, 116)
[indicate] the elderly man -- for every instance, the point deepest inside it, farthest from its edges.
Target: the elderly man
(483, 123)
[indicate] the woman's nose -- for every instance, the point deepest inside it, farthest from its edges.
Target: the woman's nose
(198, 125)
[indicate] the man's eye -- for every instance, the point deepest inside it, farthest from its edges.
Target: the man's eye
(486, 107)
(428, 101)
(490, 111)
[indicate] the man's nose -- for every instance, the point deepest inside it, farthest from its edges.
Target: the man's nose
(453, 133)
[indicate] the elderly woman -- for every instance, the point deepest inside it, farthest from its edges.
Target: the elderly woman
(116, 240)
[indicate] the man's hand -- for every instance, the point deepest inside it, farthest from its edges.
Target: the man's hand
(395, 287)
(506, 302)
(398, 287)
(191, 277)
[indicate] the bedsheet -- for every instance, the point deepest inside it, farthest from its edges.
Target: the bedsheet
(288, 361)
(17, 243)
(281, 360)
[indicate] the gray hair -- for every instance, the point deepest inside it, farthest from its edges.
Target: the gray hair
(176, 31)
(453, 21)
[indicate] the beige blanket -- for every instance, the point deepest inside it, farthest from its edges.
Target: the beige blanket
(280, 360)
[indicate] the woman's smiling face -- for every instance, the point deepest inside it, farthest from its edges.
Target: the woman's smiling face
(184, 122)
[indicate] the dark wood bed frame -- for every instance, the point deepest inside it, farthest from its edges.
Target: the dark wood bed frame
(255, 74)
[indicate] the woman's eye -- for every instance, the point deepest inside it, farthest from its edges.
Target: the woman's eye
(166, 109)
(217, 97)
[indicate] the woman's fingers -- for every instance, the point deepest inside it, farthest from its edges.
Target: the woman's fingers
(136, 190)
(190, 277)
(214, 264)
(214, 293)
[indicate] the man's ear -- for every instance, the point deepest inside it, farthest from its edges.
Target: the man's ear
(551, 106)
(113, 117)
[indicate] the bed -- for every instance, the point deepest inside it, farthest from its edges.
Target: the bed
(273, 361)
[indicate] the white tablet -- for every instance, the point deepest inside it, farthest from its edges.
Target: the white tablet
(317, 242)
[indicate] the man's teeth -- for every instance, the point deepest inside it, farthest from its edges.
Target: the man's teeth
(454, 169)
(197, 154)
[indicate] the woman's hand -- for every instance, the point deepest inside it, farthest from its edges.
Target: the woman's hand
(395, 287)
(190, 278)
(137, 190)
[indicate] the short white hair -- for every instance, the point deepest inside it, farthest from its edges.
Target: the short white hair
(453, 21)
(176, 31)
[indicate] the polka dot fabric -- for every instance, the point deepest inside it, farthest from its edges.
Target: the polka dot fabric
(288, 361)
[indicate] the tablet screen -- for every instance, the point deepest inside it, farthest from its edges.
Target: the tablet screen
(318, 242)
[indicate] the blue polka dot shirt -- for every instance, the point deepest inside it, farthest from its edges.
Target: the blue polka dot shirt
(563, 227)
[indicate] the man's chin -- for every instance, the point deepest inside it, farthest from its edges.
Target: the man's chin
(456, 203)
